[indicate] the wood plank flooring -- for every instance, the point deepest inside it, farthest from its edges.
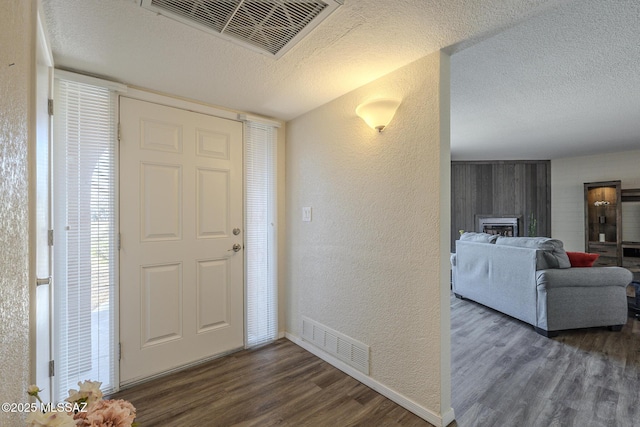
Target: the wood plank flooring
(277, 385)
(505, 374)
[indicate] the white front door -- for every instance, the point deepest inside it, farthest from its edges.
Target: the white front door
(181, 282)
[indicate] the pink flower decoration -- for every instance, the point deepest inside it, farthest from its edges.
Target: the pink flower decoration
(107, 413)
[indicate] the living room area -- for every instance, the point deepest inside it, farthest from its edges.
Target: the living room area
(503, 372)
(549, 198)
(519, 168)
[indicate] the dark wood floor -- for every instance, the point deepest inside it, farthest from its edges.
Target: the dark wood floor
(279, 384)
(505, 374)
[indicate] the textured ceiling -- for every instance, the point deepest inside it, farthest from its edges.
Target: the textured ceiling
(562, 83)
(528, 76)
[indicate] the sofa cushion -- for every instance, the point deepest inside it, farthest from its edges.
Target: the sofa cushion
(553, 256)
(479, 237)
(582, 259)
(546, 260)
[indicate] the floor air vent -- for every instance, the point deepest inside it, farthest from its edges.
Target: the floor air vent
(348, 350)
(269, 26)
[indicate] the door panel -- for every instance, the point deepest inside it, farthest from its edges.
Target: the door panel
(161, 303)
(161, 202)
(213, 283)
(213, 214)
(181, 286)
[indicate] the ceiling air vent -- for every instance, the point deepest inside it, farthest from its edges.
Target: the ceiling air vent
(271, 27)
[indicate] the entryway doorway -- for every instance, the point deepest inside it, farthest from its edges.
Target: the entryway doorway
(181, 259)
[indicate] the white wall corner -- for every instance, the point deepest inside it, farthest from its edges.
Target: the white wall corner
(445, 239)
(433, 417)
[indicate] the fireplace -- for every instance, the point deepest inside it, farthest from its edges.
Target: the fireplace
(502, 226)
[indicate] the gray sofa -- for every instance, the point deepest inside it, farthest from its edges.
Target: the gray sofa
(531, 279)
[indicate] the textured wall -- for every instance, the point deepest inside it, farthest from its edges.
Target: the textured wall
(567, 191)
(15, 75)
(373, 263)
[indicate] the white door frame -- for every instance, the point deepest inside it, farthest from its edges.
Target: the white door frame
(41, 296)
(183, 104)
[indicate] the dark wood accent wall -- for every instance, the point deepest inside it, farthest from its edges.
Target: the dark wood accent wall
(500, 188)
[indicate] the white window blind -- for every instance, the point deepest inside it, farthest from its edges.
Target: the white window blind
(260, 233)
(84, 276)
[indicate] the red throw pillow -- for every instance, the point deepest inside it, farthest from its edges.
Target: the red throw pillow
(581, 259)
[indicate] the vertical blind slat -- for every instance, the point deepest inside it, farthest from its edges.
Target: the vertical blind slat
(260, 233)
(84, 221)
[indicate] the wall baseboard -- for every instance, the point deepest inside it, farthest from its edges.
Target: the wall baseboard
(438, 420)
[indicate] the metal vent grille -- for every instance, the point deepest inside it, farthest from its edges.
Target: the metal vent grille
(270, 26)
(350, 351)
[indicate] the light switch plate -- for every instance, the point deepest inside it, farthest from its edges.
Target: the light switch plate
(306, 214)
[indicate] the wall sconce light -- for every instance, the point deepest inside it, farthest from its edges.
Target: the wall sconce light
(378, 113)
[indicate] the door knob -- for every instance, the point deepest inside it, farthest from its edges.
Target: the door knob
(235, 248)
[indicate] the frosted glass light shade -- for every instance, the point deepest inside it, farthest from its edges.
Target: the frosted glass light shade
(378, 113)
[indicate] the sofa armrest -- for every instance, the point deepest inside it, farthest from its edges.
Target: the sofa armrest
(583, 277)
